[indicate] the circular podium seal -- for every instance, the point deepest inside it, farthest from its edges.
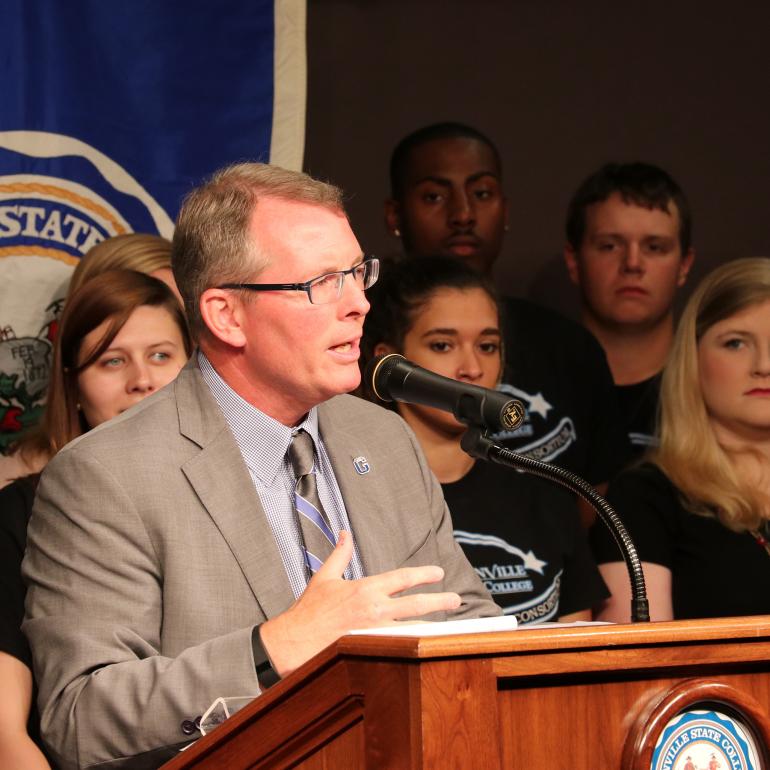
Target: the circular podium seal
(705, 740)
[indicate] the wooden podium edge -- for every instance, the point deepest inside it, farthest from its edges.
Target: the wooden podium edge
(510, 644)
(528, 639)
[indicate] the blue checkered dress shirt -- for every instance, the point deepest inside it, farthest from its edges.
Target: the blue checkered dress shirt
(264, 443)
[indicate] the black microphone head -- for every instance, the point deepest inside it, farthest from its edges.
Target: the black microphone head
(393, 378)
(378, 373)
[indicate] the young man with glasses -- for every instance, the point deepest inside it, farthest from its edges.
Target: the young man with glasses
(246, 517)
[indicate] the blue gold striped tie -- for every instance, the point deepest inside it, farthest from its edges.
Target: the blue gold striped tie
(313, 521)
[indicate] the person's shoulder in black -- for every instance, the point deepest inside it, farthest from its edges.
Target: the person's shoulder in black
(715, 571)
(648, 505)
(560, 373)
(15, 507)
(522, 316)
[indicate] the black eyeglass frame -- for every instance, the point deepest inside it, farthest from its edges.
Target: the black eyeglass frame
(372, 262)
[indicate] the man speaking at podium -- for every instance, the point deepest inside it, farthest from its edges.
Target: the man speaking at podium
(239, 521)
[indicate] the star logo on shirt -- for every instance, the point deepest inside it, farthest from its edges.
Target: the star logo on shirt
(531, 562)
(536, 403)
(539, 405)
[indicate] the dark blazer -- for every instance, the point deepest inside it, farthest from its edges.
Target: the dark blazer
(150, 560)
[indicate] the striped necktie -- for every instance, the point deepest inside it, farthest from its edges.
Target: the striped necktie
(313, 521)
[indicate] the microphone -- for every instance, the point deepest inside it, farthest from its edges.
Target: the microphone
(393, 378)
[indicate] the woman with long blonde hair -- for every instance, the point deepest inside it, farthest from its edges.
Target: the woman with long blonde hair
(699, 508)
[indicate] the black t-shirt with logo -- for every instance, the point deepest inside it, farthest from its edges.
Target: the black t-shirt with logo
(715, 572)
(560, 373)
(522, 535)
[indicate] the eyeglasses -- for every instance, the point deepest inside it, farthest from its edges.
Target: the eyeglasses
(326, 288)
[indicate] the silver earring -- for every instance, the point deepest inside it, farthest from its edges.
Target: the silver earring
(396, 232)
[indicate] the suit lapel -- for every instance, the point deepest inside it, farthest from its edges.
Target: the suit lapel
(365, 494)
(222, 482)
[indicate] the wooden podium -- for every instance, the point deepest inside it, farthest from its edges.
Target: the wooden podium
(575, 698)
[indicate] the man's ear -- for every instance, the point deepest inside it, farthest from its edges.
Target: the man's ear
(222, 312)
(571, 261)
(382, 349)
(684, 266)
(393, 217)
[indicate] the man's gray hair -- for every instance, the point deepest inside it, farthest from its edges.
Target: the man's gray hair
(211, 243)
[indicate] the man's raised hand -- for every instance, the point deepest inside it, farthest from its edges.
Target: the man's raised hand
(332, 606)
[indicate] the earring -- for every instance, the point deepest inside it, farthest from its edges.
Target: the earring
(396, 232)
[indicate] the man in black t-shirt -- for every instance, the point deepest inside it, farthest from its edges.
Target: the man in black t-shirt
(629, 250)
(447, 200)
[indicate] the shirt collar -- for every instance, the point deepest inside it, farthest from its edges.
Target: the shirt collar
(263, 441)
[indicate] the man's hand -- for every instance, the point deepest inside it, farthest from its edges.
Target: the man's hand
(332, 606)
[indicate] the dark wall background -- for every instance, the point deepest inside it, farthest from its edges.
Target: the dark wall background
(562, 87)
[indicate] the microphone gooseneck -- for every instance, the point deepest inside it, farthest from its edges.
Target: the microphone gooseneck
(476, 444)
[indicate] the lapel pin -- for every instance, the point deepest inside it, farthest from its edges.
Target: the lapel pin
(361, 464)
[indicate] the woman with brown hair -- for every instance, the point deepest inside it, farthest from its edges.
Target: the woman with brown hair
(123, 336)
(699, 509)
(521, 534)
(145, 253)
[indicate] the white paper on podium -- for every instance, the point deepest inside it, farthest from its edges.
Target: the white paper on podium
(443, 628)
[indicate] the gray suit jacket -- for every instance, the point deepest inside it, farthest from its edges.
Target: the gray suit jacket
(150, 560)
